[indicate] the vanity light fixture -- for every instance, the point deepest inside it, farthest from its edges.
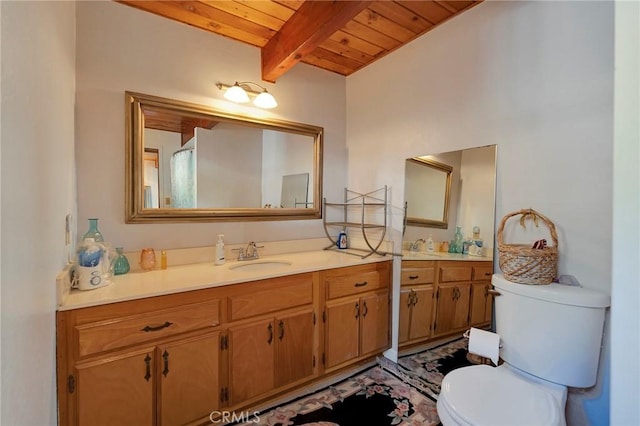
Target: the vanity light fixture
(242, 93)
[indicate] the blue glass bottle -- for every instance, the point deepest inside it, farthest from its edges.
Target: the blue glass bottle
(121, 264)
(458, 240)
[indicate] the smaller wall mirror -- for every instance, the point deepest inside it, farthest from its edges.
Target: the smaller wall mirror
(427, 192)
(189, 162)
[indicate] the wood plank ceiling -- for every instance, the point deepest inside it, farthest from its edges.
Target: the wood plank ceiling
(338, 36)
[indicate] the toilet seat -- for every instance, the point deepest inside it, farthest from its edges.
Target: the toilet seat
(483, 395)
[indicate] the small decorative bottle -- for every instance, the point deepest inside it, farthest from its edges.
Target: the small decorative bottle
(147, 259)
(458, 240)
(163, 259)
(93, 231)
(121, 264)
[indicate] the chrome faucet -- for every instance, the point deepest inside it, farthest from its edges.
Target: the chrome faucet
(250, 253)
(415, 246)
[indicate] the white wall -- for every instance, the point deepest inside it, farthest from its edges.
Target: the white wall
(625, 314)
(229, 167)
(477, 193)
(535, 78)
(121, 48)
(38, 190)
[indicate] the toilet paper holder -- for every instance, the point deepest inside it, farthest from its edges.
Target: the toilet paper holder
(467, 333)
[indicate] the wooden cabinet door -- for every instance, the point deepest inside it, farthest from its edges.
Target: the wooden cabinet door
(188, 377)
(374, 322)
(406, 306)
(452, 307)
(421, 313)
(488, 303)
(294, 347)
(116, 390)
(341, 331)
(481, 303)
(445, 307)
(251, 360)
(461, 308)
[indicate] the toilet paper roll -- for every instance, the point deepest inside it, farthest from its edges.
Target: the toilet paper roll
(485, 343)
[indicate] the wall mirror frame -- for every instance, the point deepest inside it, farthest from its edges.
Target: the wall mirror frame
(428, 185)
(139, 109)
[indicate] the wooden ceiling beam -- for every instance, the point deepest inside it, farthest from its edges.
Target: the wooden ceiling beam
(310, 26)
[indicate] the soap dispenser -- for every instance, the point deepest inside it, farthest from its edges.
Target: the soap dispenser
(430, 248)
(220, 251)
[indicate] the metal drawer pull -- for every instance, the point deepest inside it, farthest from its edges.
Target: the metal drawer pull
(147, 361)
(280, 330)
(494, 292)
(414, 277)
(270, 330)
(148, 328)
(165, 357)
(362, 284)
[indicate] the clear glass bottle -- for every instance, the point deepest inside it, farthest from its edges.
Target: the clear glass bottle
(121, 264)
(93, 231)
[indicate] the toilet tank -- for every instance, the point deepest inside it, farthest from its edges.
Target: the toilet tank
(553, 331)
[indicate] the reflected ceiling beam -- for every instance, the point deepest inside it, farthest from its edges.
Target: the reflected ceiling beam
(310, 26)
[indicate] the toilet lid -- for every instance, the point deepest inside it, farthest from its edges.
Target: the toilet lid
(483, 395)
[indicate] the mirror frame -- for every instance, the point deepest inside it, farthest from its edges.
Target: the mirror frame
(134, 137)
(430, 223)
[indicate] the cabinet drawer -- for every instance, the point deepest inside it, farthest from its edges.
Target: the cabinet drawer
(356, 279)
(482, 273)
(414, 276)
(455, 273)
(271, 295)
(124, 331)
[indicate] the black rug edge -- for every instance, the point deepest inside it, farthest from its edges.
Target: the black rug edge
(306, 395)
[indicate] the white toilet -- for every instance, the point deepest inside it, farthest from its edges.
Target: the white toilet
(551, 337)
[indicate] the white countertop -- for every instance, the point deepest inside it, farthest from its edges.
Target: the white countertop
(175, 279)
(423, 255)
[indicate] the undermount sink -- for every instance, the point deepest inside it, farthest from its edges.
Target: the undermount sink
(259, 265)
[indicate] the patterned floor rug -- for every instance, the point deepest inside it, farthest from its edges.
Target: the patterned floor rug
(425, 370)
(402, 394)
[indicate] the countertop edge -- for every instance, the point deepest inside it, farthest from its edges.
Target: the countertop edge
(185, 278)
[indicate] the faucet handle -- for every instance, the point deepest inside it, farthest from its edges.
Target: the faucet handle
(240, 251)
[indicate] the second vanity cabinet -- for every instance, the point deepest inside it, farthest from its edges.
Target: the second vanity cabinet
(443, 297)
(175, 359)
(356, 313)
(417, 289)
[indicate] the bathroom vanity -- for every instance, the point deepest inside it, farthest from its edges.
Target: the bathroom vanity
(176, 346)
(443, 294)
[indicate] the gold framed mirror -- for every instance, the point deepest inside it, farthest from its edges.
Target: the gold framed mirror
(217, 166)
(427, 192)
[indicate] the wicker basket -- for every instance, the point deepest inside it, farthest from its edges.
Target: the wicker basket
(520, 263)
